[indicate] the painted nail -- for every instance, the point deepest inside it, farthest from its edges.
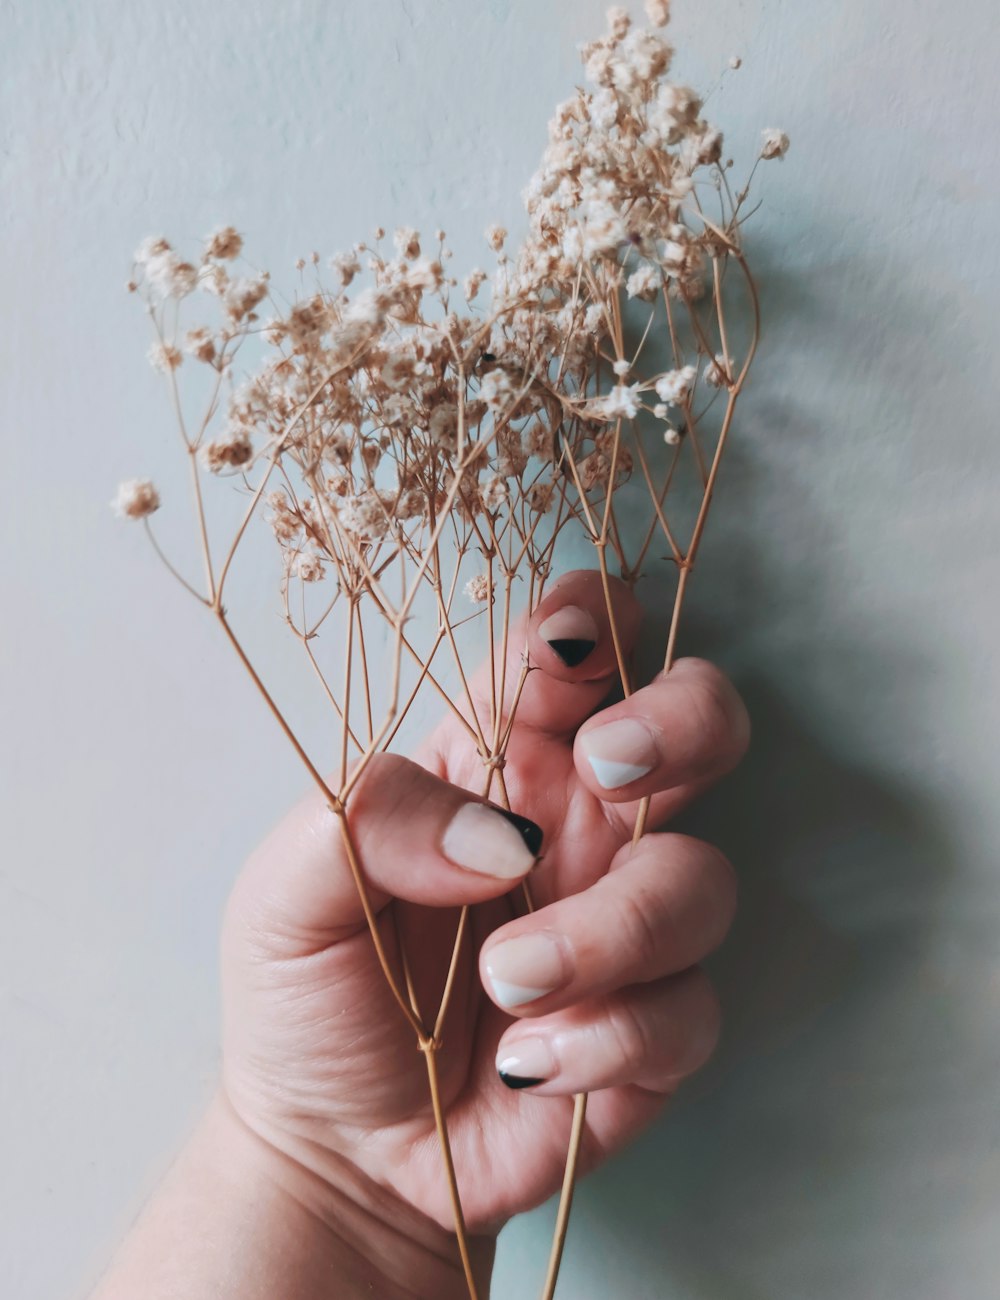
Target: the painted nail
(526, 1063)
(492, 841)
(523, 969)
(619, 752)
(571, 632)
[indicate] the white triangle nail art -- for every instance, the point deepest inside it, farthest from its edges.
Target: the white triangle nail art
(513, 995)
(612, 774)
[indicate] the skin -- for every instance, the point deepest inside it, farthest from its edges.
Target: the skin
(317, 1169)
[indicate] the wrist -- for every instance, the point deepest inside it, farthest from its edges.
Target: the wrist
(360, 1234)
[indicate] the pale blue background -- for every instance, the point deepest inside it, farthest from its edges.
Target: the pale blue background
(846, 1141)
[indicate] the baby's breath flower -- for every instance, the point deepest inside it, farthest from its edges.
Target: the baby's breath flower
(675, 385)
(473, 283)
(171, 276)
(136, 498)
(604, 109)
(658, 12)
(497, 389)
(232, 450)
(775, 143)
(164, 356)
(213, 279)
(243, 295)
(603, 228)
(407, 242)
(646, 58)
(621, 368)
(152, 246)
(478, 589)
(346, 266)
(200, 344)
(618, 22)
(671, 436)
(644, 282)
(367, 516)
(224, 242)
(540, 498)
(495, 236)
(496, 493)
(284, 522)
(717, 372)
(621, 402)
(594, 469)
(309, 567)
(425, 274)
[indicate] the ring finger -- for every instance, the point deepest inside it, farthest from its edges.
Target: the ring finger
(651, 1035)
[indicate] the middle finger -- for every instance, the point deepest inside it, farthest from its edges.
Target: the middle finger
(665, 904)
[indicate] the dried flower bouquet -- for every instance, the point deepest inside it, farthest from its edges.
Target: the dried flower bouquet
(419, 457)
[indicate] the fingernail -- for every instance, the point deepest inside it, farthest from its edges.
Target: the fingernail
(523, 969)
(492, 841)
(571, 632)
(619, 752)
(525, 1063)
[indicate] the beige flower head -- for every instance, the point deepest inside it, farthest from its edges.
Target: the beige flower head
(136, 499)
(775, 143)
(224, 242)
(165, 357)
(478, 589)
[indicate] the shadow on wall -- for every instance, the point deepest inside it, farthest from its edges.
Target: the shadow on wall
(766, 1160)
(777, 1169)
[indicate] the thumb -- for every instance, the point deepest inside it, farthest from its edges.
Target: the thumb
(412, 835)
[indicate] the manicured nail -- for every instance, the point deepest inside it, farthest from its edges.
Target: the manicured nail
(619, 752)
(492, 841)
(523, 969)
(526, 1063)
(571, 632)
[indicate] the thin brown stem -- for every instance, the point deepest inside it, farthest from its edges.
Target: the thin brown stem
(566, 1195)
(429, 1049)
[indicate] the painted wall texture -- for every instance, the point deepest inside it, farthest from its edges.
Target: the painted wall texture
(845, 1142)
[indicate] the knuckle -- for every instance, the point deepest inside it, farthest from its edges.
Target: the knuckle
(722, 716)
(390, 787)
(629, 1034)
(642, 929)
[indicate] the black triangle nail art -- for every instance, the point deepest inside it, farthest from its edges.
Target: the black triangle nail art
(530, 831)
(516, 1081)
(572, 651)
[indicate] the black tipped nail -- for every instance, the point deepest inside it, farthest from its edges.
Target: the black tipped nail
(571, 651)
(515, 1080)
(530, 831)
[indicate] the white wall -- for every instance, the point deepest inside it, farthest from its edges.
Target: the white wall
(846, 1141)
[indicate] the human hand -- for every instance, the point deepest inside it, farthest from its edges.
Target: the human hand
(598, 990)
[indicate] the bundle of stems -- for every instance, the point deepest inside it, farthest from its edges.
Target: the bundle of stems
(419, 459)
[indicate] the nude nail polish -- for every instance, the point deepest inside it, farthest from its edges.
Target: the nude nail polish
(526, 968)
(492, 841)
(525, 1063)
(619, 752)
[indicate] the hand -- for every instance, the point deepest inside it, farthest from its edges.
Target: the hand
(597, 990)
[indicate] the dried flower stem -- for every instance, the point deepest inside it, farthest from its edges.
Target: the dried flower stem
(392, 441)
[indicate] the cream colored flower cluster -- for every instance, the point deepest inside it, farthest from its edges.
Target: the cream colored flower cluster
(391, 397)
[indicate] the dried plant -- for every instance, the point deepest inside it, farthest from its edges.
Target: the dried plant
(412, 451)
